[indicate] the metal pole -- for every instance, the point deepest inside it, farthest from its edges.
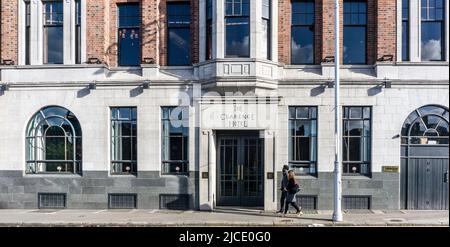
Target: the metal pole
(337, 214)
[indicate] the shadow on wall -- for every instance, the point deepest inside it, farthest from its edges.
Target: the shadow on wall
(375, 90)
(318, 90)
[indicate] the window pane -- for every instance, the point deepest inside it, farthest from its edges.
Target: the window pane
(355, 149)
(54, 44)
(129, 15)
(129, 47)
(354, 44)
(302, 149)
(432, 41)
(179, 46)
(302, 45)
(237, 37)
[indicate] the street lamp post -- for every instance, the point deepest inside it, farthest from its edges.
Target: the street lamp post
(337, 214)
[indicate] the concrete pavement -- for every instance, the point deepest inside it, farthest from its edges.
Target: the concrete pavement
(221, 217)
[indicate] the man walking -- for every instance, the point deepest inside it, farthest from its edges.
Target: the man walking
(284, 182)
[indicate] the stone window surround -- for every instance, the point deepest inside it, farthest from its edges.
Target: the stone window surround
(415, 32)
(36, 32)
(256, 30)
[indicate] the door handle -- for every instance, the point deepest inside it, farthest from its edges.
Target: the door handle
(446, 177)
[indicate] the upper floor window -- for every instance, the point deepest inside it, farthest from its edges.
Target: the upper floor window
(78, 31)
(266, 28)
(209, 21)
(124, 140)
(405, 30)
(433, 30)
(53, 142)
(179, 33)
(303, 139)
(237, 31)
(355, 31)
(27, 31)
(175, 140)
(53, 32)
(129, 44)
(357, 140)
(302, 32)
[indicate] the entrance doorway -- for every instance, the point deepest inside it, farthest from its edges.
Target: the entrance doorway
(424, 166)
(240, 167)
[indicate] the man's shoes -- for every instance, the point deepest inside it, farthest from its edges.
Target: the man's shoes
(299, 213)
(280, 212)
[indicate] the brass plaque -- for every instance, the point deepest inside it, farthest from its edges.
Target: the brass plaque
(392, 169)
(205, 175)
(270, 175)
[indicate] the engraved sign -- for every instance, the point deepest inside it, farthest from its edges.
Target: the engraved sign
(390, 169)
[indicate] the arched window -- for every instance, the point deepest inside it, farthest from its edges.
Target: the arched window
(53, 142)
(427, 125)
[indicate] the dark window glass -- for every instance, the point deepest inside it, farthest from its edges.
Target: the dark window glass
(53, 32)
(27, 32)
(77, 31)
(237, 28)
(303, 139)
(179, 39)
(123, 140)
(129, 34)
(266, 28)
(175, 140)
(433, 40)
(355, 31)
(302, 32)
(357, 140)
(405, 30)
(209, 19)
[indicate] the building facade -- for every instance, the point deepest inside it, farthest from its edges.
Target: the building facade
(198, 104)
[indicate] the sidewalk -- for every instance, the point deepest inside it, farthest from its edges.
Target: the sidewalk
(224, 217)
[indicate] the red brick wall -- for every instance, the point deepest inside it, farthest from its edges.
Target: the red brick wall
(284, 31)
(9, 30)
(328, 37)
(96, 34)
(150, 34)
(386, 31)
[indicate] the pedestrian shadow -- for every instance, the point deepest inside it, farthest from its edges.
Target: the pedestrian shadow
(255, 212)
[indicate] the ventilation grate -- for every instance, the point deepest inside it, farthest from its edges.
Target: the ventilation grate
(356, 202)
(122, 201)
(307, 202)
(51, 200)
(174, 202)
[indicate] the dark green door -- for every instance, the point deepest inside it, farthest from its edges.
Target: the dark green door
(240, 171)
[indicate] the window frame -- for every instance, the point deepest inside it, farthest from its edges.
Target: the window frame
(128, 27)
(405, 56)
(348, 137)
(427, 19)
(133, 162)
(268, 19)
(179, 27)
(27, 4)
(291, 149)
(45, 25)
(313, 26)
(237, 16)
(184, 171)
(357, 25)
(78, 31)
(209, 30)
(31, 138)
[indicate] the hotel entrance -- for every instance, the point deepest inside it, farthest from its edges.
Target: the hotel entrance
(240, 168)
